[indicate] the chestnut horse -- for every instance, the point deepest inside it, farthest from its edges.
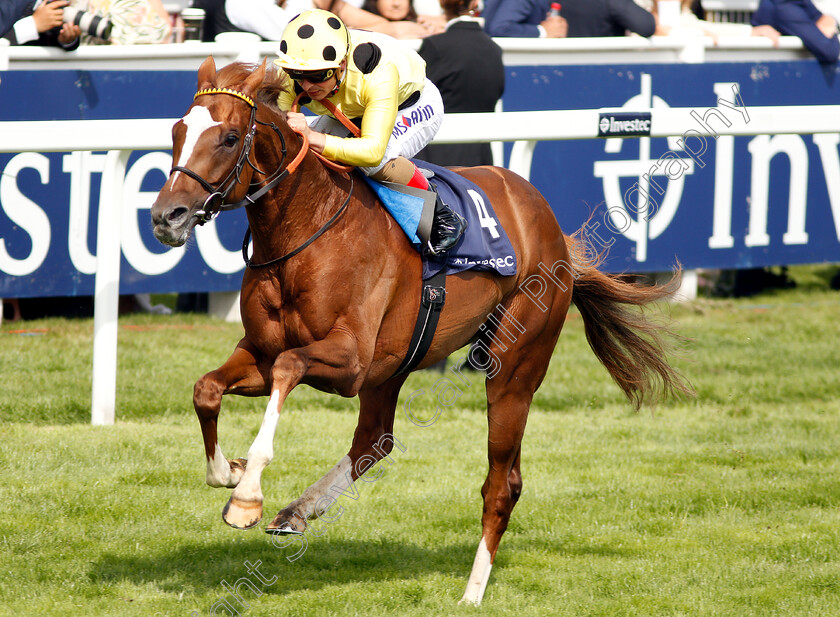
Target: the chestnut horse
(336, 300)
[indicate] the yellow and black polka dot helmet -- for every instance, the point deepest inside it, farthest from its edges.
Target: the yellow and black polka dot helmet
(312, 41)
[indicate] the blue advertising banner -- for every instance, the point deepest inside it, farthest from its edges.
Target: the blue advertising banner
(48, 230)
(724, 202)
(707, 201)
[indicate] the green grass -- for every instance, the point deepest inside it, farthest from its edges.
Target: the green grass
(728, 504)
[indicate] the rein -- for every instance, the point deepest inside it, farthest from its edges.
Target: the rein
(215, 202)
(338, 115)
(294, 252)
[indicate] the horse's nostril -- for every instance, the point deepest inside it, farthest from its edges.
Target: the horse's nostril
(176, 214)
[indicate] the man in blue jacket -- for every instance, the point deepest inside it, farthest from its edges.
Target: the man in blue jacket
(801, 18)
(581, 18)
(10, 12)
(522, 18)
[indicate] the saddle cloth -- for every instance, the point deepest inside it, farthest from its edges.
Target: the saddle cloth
(484, 246)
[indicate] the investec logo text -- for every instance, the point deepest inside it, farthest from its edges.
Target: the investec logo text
(644, 211)
(623, 124)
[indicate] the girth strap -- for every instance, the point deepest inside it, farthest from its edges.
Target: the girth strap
(432, 299)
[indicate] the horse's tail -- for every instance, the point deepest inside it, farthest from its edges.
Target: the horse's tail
(628, 343)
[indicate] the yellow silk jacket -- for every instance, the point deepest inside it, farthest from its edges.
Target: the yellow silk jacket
(382, 73)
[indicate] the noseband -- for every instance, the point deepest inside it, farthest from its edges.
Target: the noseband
(215, 201)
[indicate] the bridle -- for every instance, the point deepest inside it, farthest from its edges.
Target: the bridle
(215, 202)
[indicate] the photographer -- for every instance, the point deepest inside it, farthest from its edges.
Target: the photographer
(43, 24)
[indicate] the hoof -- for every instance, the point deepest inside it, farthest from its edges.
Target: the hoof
(241, 514)
(285, 525)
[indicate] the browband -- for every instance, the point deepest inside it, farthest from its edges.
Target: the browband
(247, 99)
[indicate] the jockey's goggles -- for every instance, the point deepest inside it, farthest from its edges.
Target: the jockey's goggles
(315, 77)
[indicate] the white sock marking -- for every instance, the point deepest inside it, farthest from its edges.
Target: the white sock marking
(479, 576)
(335, 479)
(218, 469)
(260, 453)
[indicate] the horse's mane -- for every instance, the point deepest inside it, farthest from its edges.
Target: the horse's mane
(235, 73)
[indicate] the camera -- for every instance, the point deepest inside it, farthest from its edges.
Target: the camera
(97, 26)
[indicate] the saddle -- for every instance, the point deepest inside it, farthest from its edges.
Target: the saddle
(484, 245)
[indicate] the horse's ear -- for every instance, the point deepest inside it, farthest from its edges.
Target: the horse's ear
(206, 73)
(255, 79)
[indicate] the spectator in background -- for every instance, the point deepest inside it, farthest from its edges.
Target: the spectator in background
(466, 66)
(10, 12)
(523, 18)
(216, 18)
(42, 24)
(403, 10)
(266, 18)
(392, 10)
(607, 18)
(134, 21)
(578, 18)
(262, 17)
(801, 18)
(687, 23)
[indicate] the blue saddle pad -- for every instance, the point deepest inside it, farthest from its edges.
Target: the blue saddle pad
(484, 246)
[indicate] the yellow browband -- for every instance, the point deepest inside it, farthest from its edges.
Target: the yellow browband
(225, 91)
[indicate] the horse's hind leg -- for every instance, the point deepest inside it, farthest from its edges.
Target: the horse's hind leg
(372, 441)
(241, 374)
(513, 377)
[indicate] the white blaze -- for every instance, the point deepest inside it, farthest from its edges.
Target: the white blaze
(197, 121)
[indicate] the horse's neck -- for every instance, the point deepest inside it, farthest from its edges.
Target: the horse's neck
(287, 215)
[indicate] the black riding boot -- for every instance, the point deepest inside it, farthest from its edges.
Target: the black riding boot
(447, 228)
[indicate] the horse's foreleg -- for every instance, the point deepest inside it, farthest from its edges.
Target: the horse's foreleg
(244, 508)
(372, 441)
(333, 358)
(243, 373)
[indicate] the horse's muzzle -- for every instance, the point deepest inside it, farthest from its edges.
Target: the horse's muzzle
(172, 224)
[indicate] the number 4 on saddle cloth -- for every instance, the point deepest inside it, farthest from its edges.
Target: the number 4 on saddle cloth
(484, 245)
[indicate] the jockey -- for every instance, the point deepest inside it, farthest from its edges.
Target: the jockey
(381, 85)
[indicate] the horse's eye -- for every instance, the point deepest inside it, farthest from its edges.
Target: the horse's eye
(231, 140)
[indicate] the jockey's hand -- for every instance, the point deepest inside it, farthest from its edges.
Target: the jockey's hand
(297, 122)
